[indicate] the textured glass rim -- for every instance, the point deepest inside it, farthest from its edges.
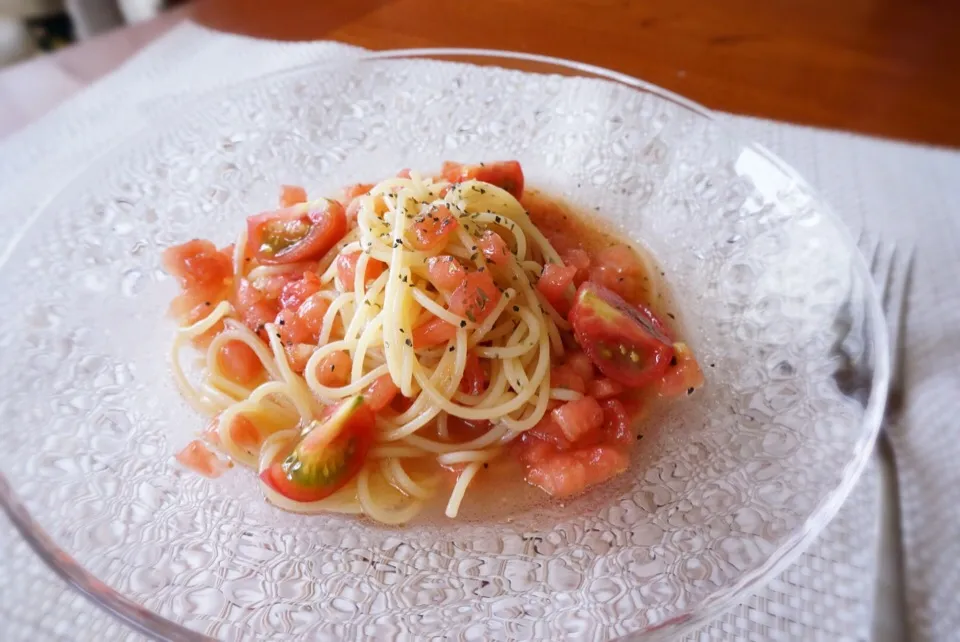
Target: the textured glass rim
(148, 623)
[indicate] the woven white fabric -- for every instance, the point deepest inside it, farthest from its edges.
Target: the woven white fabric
(828, 593)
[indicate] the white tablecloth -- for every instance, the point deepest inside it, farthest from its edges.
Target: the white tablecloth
(899, 190)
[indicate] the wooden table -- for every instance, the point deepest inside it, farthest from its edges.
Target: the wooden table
(884, 67)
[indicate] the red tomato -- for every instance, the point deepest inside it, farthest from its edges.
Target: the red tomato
(200, 459)
(564, 376)
(350, 192)
(291, 328)
(494, 248)
(291, 195)
(299, 233)
(548, 431)
(601, 389)
(198, 265)
(298, 355)
(578, 418)
(381, 393)
(318, 466)
(433, 333)
(445, 272)
(617, 423)
(564, 474)
(245, 434)
(507, 175)
(555, 284)
(460, 430)
(432, 227)
(240, 363)
(626, 343)
(254, 307)
(683, 375)
(295, 292)
(618, 268)
(475, 379)
(404, 173)
(333, 370)
(577, 258)
(580, 363)
(311, 313)
(475, 297)
(347, 269)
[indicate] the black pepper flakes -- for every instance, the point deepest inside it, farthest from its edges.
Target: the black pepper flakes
(281, 322)
(206, 303)
(673, 360)
(671, 315)
(451, 348)
(463, 323)
(689, 391)
(516, 308)
(409, 342)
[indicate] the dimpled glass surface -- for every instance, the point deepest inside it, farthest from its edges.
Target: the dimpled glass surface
(726, 488)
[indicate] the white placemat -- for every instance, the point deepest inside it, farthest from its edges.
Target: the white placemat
(828, 593)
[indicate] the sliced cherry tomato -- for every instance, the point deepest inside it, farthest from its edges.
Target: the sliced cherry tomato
(291, 195)
(357, 189)
(507, 175)
(556, 285)
(445, 272)
(381, 393)
(205, 274)
(494, 248)
(476, 297)
(240, 363)
(626, 343)
(432, 227)
(432, 333)
(299, 233)
(475, 379)
(328, 457)
(683, 375)
(347, 269)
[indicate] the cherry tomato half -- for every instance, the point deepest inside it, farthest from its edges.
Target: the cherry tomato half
(299, 233)
(627, 343)
(327, 457)
(507, 175)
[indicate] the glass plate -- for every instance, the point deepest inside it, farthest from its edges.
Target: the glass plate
(727, 489)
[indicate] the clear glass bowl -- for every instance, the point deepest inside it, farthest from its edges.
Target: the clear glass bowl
(729, 486)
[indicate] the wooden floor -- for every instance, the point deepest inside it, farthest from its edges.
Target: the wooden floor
(883, 67)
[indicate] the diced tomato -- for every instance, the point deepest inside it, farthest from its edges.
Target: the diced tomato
(381, 393)
(618, 268)
(350, 192)
(563, 376)
(240, 363)
(433, 333)
(549, 431)
(291, 195)
(245, 434)
(200, 459)
(494, 248)
(578, 418)
(445, 272)
(292, 328)
(580, 363)
(683, 375)
(601, 389)
(327, 457)
(556, 285)
(299, 233)
(474, 380)
(565, 474)
(333, 370)
(535, 448)
(198, 265)
(460, 430)
(617, 423)
(295, 292)
(476, 297)
(311, 313)
(347, 269)
(254, 307)
(432, 227)
(298, 355)
(626, 343)
(507, 175)
(404, 173)
(579, 259)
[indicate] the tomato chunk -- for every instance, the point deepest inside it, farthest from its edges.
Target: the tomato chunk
(256, 309)
(577, 258)
(601, 389)
(494, 248)
(432, 227)
(240, 363)
(347, 269)
(291, 195)
(327, 457)
(200, 459)
(626, 343)
(618, 268)
(295, 292)
(311, 313)
(555, 284)
(474, 380)
(564, 376)
(445, 273)
(562, 474)
(578, 418)
(299, 233)
(476, 297)
(381, 393)
(204, 273)
(433, 333)
(683, 375)
(333, 370)
(507, 175)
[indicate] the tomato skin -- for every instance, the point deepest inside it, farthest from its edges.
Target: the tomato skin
(204, 273)
(495, 249)
(291, 195)
(626, 343)
(318, 467)
(507, 175)
(445, 272)
(432, 227)
(433, 333)
(299, 233)
(240, 363)
(347, 269)
(474, 380)
(555, 283)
